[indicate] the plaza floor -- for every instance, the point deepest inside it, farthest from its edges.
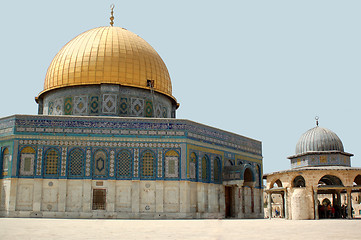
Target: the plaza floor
(26, 228)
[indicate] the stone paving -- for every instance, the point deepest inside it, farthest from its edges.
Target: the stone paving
(26, 228)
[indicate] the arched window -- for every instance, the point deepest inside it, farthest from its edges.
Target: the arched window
(248, 175)
(357, 181)
(217, 170)
(330, 180)
(100, 164)
(27, 158)
(51, 162)
(193, 166)
(6, 160)
(171, 164)
(124, 162)
(76, 163)
(299, 181)
(239, 162)
(205, 168)
(147, 165)
(277, 184)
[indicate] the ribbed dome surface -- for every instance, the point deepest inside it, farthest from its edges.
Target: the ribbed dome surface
(319, 139)
(108, 55)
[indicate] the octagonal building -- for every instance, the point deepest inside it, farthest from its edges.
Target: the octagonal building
(106, 143)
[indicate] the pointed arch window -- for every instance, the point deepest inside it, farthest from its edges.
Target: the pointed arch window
(147, 165)
(27, 158)
(217, 170)
(205, 168)
(52, 162)
(76, 163)
(124, 164)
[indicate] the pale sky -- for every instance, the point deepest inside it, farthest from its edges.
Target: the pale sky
(263, 69)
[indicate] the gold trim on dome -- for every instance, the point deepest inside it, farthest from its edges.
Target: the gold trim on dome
(110, 55)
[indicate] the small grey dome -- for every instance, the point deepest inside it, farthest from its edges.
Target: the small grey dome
(319, 139)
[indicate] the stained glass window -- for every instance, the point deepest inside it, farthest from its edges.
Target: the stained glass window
(51, 162)
(76, 159)
(205, 168)
(147, 164)
(124, 164)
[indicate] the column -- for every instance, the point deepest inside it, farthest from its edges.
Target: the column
(349, 205)
(286, 204)
(269, 205)
(315, 202)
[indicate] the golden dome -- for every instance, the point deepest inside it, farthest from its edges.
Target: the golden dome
(110, 55)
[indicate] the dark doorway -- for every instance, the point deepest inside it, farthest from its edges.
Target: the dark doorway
(99, 199)
(229, 201)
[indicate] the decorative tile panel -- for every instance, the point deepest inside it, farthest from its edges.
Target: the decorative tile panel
(64, 151)
(160, 163)
(68, 106)
(112, 163)
(109, 105)
(123, 106)
(165, 112)
(81, 105)
(137, 107)
(158, 111)
(148, 109)
(39, 162)
(50, 108)
(136, 163)
(87, 162)
(58, 106)
(94, 104)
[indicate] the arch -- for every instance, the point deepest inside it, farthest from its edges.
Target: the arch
(5, 161)
(100, 166)
(51, 163)
(76, 163)
(27, 158)
(326, 202)
(248, 175)
(277, 184)
(357, 180)
(217, 170)
(330, 180)
(299, 181)
(124, 164)
(171, 164)
(205, 168)
(28, 150)
(147, 165)
(193, 166)
(229, 162)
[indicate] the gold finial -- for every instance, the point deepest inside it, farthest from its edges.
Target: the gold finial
(112, 16)
(316, 118)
